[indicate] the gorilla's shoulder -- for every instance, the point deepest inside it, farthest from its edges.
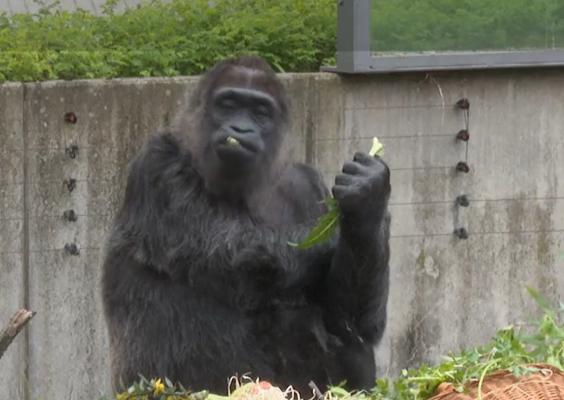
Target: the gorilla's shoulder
(164, 144)
(161, 153)
(307, 171)
(160, 167)
(303, 182)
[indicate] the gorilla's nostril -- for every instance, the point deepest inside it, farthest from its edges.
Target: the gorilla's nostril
(240, 129)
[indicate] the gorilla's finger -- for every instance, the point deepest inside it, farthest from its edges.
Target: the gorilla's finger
(381, 166)
(344, 179)
(364, 159)
(340, 191)
(351, 167)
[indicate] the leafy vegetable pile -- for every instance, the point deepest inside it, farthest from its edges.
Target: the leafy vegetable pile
(511, 349)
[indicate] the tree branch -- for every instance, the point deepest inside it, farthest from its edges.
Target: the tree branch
(16, 324)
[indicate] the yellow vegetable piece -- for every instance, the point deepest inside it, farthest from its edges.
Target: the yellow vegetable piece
(231, 141)
(159, 387)
(377, 148)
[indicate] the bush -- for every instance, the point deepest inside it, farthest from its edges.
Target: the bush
(181, 37)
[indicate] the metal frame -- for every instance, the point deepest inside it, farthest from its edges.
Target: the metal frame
(354, 55)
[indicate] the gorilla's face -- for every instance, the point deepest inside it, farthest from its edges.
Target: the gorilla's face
(243, 118)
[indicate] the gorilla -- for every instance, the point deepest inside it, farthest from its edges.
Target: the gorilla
(199, 282)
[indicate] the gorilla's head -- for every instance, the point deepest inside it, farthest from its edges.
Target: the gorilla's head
(241, 113)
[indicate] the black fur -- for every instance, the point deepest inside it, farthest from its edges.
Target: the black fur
(199, 286)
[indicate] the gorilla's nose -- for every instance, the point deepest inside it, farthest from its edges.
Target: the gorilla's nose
(241, 129)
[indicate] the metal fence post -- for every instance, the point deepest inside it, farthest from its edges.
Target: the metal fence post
(354, 35)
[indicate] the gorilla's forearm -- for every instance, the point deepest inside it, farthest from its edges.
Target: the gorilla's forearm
(358, 281)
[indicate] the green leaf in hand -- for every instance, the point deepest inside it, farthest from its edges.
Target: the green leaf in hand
(328, 223)
(325, 228)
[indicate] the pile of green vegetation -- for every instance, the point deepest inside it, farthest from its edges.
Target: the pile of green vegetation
(512, 349)
(180, 37)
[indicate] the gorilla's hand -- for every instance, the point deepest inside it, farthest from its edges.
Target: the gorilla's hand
(362, 190)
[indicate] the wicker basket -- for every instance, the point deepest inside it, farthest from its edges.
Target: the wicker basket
(547, 384)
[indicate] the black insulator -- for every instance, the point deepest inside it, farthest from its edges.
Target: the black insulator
(463, 104)
(462, 201)
(71, 118)
(70, 184)
(70, 216)
(72, 151)
(461, 233)
(463, 135)
(462, 167)
(72, 249)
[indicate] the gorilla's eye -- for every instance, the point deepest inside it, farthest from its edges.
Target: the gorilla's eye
(227, 103)
(263, 111)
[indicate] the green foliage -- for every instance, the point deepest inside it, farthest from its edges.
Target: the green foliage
(426, 25)
(157, 389)
(181, 37)
(511, 349)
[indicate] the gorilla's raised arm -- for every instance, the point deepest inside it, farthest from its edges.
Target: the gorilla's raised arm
(359, 277)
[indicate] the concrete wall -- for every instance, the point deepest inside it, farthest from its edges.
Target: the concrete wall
(446, 292)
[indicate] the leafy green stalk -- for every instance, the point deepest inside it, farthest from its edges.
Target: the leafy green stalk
(325, 228)
(328, 223)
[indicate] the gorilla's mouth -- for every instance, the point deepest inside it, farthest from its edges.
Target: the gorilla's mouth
(232, 147)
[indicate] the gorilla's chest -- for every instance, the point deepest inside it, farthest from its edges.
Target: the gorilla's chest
(238, 254)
